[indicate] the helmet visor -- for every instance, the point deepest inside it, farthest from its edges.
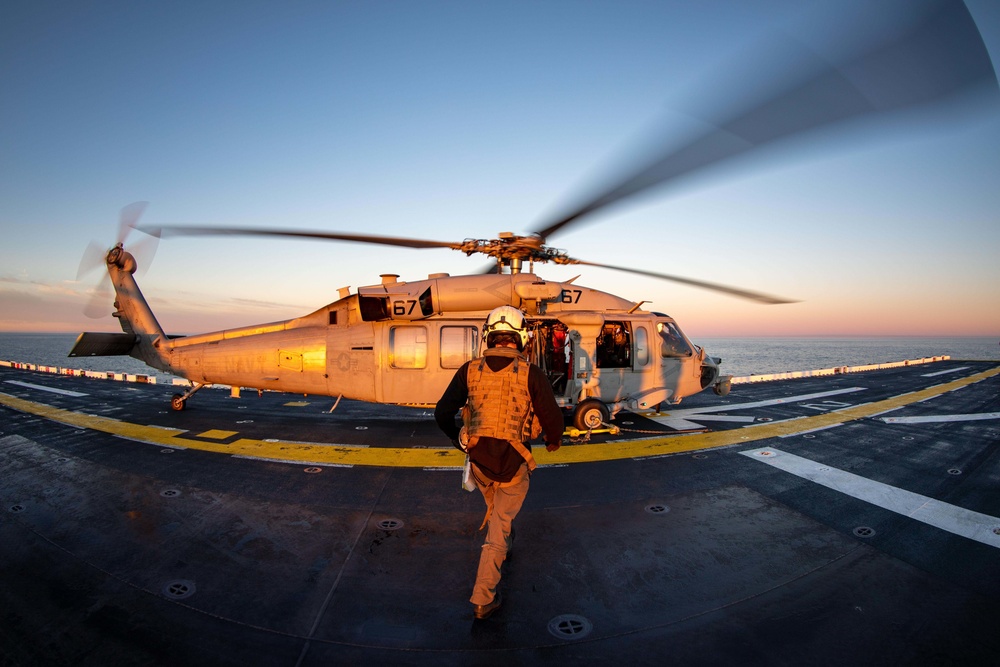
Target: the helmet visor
(503, 338)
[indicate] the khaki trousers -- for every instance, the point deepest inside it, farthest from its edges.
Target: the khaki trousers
(503, 502)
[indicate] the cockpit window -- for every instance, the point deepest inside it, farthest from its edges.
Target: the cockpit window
(673, 343)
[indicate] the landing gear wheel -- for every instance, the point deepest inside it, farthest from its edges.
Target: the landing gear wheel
(590, 414)
(722, 388)
(177, 402)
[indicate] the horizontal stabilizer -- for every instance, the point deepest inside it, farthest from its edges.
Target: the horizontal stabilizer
(90, 344)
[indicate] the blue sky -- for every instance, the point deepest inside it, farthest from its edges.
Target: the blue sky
(455, 120)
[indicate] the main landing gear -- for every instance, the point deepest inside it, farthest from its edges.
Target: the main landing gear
(177, 401)
(590, 414)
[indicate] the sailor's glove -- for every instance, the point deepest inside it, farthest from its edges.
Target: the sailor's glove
(552, 446)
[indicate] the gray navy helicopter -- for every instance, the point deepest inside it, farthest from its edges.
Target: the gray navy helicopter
(400, 342)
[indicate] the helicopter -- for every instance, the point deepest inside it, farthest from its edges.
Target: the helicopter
(401, 341)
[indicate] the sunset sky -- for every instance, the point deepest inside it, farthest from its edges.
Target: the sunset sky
(455, 120)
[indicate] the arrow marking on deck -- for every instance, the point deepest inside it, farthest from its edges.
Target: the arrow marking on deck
(690, 418)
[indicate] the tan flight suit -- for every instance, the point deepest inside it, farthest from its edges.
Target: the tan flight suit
(499, 406)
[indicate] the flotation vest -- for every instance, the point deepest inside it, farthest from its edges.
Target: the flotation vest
(499, 404)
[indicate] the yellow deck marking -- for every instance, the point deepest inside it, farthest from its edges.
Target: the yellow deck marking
(402, 457)
(216, 434)
(297, 404)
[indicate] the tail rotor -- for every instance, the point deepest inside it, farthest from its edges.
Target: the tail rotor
(95, 257)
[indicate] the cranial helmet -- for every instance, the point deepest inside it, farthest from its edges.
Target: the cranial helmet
(505, 320)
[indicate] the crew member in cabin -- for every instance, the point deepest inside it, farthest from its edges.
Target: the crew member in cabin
(505, 402)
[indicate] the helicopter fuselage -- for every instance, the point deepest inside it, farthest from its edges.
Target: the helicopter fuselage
(401, 342)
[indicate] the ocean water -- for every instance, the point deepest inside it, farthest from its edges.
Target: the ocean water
(50, 349)
(740, 356)
(758, 356)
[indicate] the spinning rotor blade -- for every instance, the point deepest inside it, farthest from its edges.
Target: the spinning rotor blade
(101, 299)
(144, 249)
(100, 295)
(715, 287)
(329, 236)
(921, 60)
(938, 57)
(100, 302)
(93, 259)
(128, 218)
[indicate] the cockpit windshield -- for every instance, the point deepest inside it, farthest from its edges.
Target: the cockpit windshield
(673, 342)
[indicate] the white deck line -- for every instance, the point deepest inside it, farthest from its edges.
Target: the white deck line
(957, 520)
(931, 419)
(64, 392)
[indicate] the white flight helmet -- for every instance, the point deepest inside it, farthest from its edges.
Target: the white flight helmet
(505, 319)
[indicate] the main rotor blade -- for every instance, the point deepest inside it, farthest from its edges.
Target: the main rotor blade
(715, 287)
(938, 57)
(329, 236)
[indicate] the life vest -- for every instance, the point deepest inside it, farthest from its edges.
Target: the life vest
(499, 404)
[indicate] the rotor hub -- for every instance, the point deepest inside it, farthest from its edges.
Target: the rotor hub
(510, 247)
(124, 260)
(115, 254)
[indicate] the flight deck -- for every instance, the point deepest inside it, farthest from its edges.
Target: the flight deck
(821, 520)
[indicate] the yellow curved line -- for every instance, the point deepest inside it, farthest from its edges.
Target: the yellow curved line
(405, 457)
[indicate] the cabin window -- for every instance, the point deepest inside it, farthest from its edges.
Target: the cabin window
(614, 346)
(458, 345)
(673, 342)
(408, 347)
(333, 317)
(641, 346)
